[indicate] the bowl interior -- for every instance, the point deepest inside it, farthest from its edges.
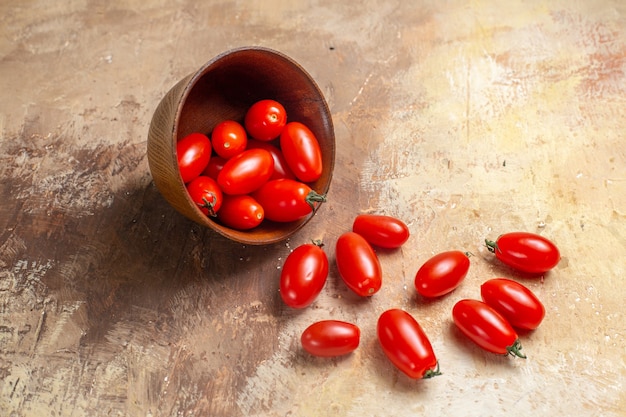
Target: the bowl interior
(224, 89)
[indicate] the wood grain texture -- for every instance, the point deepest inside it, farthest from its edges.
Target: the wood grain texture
(465, 119)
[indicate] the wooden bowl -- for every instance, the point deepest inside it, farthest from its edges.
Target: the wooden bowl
(224, 88)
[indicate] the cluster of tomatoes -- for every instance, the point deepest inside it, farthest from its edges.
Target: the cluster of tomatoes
(490, 323)
(245, 173)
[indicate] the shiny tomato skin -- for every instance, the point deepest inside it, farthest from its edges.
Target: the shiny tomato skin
(486, 327)
(265, 120)
(358, 264)
(330, 338)
(281, 169)
(406, 344)
(382, 231)
(515, 302)
(241, 212)
(246, 172)
(286, 200)
(215, 165)
(228, 139)
(207, 195)
(303, 275)
(193, 153)
(302, 151)
(442, 273)
(526, 252)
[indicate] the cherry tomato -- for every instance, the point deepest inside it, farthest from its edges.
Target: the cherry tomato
(241, 212)
(442, 273)
(328, 338)
(486, 327)
(265, 120)
(205, 192)
(229, 139)
(358, 264)
(515, 302)
(526, 252)
(212, 170)
(193, 153)
(381, 231)
(406, 345)
(246, 172)
(302, 151)
(303, 275)
(287, 200)
(281, 169)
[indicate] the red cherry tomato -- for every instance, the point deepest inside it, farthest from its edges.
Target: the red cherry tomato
(281, 169)
(516, 303)
(287, 200)
(442, 273)
(328, 338)
(246, 172)
(406, 345)
(303, 275)
(526, 252)
(241, 212)
(212, 170)
(229, 139)
(486, 327)
(381, 231)
(193, 153)
(358, 264)
(205, 192)
(265, 120)
(302, 151)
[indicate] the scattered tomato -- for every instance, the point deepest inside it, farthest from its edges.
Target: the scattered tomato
(382, 231)
(486, 327)
(287, 200)
(358, 264)
(442, 273)
(265, 120)
(241, 212)
(207, 195)
(515, 302)
(281, 169)
(303, 275)
(302, 151)
(526, 252)
(228, 139)
(246, 172)
(328, 338)
(193, 153)
(406, 345)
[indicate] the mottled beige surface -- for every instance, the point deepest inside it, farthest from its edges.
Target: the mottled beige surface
(466, 119)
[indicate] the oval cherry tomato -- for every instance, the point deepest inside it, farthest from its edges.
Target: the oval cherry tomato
(328, 338)
(516, 303)
(486, 327)
(442, 273)
(205, 192)
(526, 252)
(287, 200)
(241, 212)
(406, 345)
(281, 169)
(303, 275)
(358, 264)
(193, 153)
(265, 120)
(212, 170)
(302, 151)
(245, 172)
(228, 139)
(382, 231)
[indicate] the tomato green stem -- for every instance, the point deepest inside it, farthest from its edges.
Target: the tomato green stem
(515, 349)
(313, 198)
(317, 242)
(432, 372)
(209, 205)
(492, 246)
